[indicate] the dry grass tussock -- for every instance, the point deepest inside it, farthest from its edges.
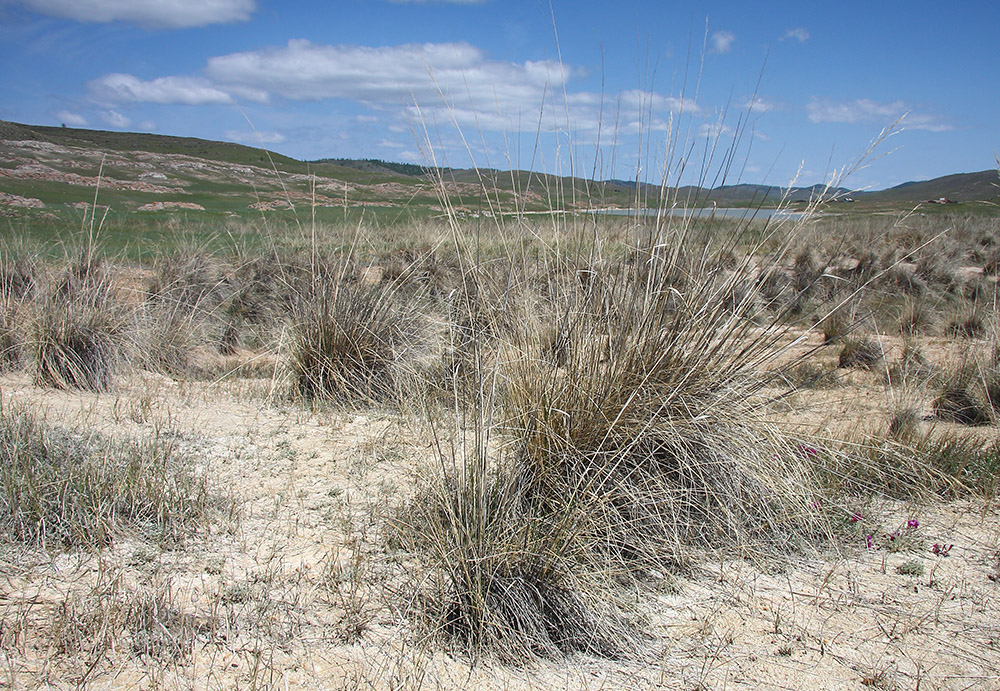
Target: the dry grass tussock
(613, 439)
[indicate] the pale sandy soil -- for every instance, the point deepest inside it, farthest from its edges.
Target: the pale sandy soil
(301, 588)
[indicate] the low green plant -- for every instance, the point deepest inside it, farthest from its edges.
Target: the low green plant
(62, 489)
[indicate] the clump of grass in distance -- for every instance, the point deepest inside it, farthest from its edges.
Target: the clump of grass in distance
(834, 327)
(351, 343)
(904, 424)
(861, 352)
(957, 403)
(190, 280)
(80, 330)
(61, 489)
(809, 375)
(911, 367)
(969, 323)
(915, 317)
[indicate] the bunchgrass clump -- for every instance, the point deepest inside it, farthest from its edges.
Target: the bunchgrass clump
(861, 352)
(350, 343)
(835, 328)
(957, 403)
(77, 346)
(61, 489)
(512, 579)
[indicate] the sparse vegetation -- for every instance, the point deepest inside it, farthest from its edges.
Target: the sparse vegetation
(61, 488)
(597, 410)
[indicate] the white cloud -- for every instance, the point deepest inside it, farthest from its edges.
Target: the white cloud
(458, 72)
(857, 110)
(71, 119)
(113, 118)
(253, 137)
(714, 130)
(758, 105)
(389, 144)
(126, 88)
(154, 14)
(917, 121)
(864, 110)
(441, 84)
(721, 42)
(800, 33)
(147, 126)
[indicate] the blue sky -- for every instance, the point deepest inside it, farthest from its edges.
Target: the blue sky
(609, 89)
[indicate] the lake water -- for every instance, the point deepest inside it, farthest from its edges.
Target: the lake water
(721, 212)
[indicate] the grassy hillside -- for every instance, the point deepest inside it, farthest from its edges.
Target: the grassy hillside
(48, 175)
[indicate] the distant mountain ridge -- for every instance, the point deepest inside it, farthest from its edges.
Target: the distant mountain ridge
(961, 187)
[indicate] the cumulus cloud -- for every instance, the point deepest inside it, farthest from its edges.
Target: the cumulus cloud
(442, 83)
(721, 42)
(113, 118)
(458, 72)
(153, 14)
(799, 33)
(864, 110)
(126, 88)
(71, 119)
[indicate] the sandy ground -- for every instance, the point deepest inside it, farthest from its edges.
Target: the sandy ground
(301, 589)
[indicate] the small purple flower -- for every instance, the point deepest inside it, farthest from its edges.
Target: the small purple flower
(912, 524)
(870, 541)
(941, 550)
(855, 517)
(808, 450)
(817, 504)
